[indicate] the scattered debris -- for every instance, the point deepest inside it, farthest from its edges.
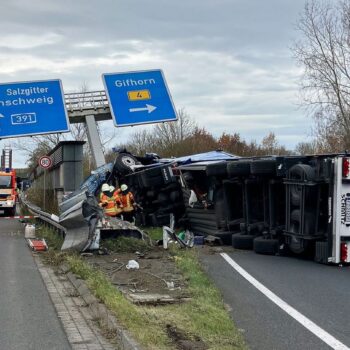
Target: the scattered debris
(29, 231)
(37, 244)
(157, 275)
(86, 254)
(132, 265)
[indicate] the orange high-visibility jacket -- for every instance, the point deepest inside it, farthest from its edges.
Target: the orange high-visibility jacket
(110, 209)
(128, 201)
(118, 201)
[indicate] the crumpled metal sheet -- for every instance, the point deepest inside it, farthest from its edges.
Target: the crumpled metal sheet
(90, 185)
(84, 219)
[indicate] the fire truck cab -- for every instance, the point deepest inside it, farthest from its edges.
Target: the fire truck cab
(8, 191)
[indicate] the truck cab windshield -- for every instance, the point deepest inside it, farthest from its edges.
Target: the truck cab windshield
(5, 181)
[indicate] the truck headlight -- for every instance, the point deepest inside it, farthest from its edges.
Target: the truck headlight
(10, 203)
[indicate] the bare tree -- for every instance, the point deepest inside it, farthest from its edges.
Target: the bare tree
(304, 148)
(171, 133)
(167, 138)
(324, 54)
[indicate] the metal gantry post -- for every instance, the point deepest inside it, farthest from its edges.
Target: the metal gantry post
(94, 141)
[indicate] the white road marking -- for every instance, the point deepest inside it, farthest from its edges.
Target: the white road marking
(303, 320)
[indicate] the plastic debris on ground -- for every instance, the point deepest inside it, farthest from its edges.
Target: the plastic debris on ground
(132, 265)
(29, 231)
(37, 244)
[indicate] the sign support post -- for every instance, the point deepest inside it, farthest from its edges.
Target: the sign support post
(44, 189)
(94, 141)
(45, 162)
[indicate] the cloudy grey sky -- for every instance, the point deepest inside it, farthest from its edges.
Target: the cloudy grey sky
(227, 62)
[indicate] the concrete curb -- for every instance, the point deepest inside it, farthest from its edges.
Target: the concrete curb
(101, 313)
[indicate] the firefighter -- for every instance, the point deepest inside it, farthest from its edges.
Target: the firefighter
(117, 200)
(107, 201)
(128, 202)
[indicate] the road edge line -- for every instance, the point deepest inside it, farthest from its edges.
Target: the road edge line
(299, 317)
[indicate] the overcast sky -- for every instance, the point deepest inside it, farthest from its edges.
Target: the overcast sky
(227, 62)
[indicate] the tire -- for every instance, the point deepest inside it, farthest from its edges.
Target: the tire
(295, 194)
(263, 167)
(266, 246)
(238, 168)
(300, 172)
(298, 245)
(217, 169)
(124, 162)
(11, 212)
(309, 223)
(240, 241)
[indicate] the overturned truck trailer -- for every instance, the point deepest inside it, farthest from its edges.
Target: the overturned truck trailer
(274, 205)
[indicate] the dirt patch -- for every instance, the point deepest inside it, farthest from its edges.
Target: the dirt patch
(157, 281)
(182, 340)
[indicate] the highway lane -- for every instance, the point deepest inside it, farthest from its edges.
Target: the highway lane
(28, 319)
(319, 292)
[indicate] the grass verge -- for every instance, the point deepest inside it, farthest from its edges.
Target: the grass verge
(204, 316)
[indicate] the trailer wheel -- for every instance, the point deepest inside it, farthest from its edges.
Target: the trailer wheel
(262, 167)
(262, 245)
(237, 168)
(298, 245)
(309, 223)
(240, 241)
(300, 172)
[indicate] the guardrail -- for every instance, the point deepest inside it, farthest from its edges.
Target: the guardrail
(46, 218)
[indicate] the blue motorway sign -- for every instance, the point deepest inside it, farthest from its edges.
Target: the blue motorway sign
(32, 108)
(139, 97)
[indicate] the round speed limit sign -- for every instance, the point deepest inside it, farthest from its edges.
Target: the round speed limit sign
(45, 162)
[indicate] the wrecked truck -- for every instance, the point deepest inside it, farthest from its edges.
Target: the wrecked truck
(295, 205)
(81, 215)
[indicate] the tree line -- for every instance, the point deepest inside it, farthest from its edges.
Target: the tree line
(184, 137)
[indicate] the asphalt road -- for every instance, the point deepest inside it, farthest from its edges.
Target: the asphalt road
(319, 292)
(28, 319)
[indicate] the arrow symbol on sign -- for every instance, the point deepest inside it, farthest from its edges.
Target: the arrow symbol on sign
(2, 116)
(148, 108)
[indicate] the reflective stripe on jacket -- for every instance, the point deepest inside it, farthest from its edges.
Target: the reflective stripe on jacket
(128, 201)
(118, 202)
(110, 208)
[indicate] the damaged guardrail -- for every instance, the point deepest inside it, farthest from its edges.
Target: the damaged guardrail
(83, 223)
(43, 216)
